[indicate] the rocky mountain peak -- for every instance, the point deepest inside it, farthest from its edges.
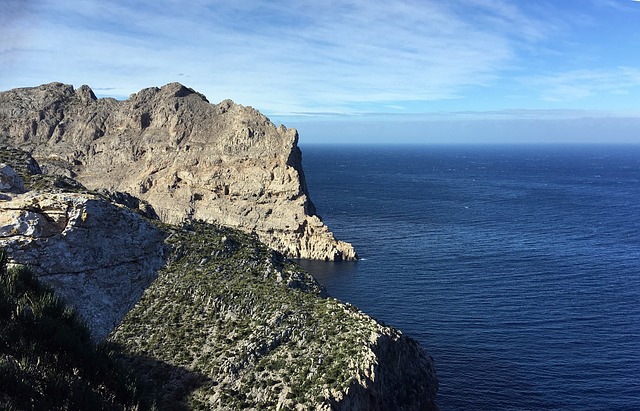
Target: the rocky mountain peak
(190, 159)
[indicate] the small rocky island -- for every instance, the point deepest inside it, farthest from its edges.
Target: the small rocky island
(167, 223)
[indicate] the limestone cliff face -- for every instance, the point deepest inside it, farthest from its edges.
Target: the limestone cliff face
(96, 255)
(188, 158)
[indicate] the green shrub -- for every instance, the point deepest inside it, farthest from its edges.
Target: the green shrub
(47, 357)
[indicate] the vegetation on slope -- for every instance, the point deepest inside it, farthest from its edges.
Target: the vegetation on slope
(29, 171)
(47, 358)
(243, 328)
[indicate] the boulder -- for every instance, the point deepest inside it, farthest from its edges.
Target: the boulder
(99, 257)
(10, 181)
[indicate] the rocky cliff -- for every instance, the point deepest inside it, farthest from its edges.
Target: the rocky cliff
(257, 332)
(189, 159)
(218, 319)
(99, 255)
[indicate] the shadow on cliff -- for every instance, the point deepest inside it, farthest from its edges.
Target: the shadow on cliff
(165, 386)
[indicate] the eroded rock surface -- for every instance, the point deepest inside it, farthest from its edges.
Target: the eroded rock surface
(189, 159)
(97, 256)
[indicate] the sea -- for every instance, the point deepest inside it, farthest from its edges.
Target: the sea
(516, 267)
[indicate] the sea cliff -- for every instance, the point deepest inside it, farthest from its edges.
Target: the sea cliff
(209, 315)
(191, 160)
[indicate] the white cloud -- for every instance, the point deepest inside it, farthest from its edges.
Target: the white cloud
(340, 56)
(278, 56)
(501, 127)
(577, 84)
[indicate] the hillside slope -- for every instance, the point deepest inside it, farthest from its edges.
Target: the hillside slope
(260, 333)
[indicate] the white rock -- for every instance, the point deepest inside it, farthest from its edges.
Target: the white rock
(10, 181)
(97, 256)
(221, 163)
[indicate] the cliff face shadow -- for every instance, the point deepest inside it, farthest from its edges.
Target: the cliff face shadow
(164, 386)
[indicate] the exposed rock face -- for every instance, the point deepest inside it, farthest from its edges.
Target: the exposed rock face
(9, 180)
(189, 159)
(97, 256)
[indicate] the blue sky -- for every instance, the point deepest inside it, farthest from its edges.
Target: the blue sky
(454, 71)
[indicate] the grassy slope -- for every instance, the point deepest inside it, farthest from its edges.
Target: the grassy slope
(246, 327)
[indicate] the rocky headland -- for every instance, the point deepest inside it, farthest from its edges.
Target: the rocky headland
(191, 160)
(206, 312)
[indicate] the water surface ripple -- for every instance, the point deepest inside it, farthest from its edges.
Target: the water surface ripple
(518, 268)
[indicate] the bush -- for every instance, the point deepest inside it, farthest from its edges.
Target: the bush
(47, 358)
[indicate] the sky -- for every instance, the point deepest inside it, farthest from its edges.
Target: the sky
(359, 71)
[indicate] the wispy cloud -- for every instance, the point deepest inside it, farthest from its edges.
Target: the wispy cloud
(337, 56)
(12, 27)
(576, 84)
(456, 116)
(278, 55)
(622, 5)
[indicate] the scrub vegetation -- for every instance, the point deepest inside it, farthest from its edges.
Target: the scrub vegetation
(47, 358)
(242, 327)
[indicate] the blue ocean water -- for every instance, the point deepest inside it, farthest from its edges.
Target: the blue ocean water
(517, 268)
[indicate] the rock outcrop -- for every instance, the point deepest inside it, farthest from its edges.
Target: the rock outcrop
(96, 255)
(189, 159)
(257, 332)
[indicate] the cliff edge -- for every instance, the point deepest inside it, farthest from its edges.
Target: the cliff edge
(191, 160)
(208, 316)
(98, 255)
